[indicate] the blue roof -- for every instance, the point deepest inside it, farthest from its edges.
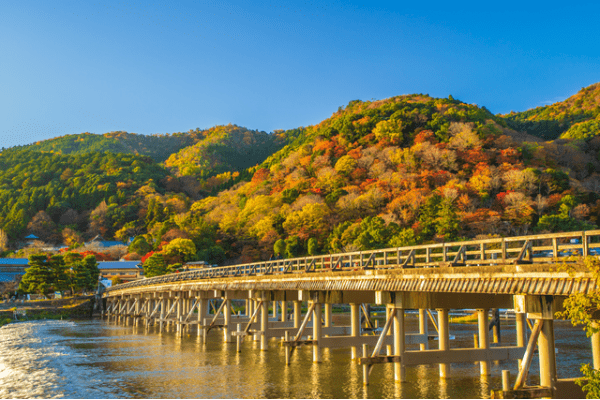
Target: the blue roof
(8, 276)
(105, 243)
(119, 265)
(14, 261)
(32, 236)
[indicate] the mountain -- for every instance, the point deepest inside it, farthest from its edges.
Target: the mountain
(404, 170)
(409, 169)
(577, 117)
(224, 148)
(159, 147)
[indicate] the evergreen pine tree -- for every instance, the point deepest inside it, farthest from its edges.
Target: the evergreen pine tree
(37, 278)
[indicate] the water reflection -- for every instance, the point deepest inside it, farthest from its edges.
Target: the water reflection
(98, 360)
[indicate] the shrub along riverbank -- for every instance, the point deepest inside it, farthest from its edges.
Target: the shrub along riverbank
(76, 308)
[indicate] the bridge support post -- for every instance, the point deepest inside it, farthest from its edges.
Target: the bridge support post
(249, 307)
(283, 316)
(162, 314)
(297, 314)
(264, 325)
(354, 327)
(547, 354)
(202, 307)
(399, 342)
(444, 339)
(275, 303)
(521, 326)
(484, 338)
(423, 328)
(179, 301)
(596, 349)
(168, 308)
(227, 321)
(317, 332)
(328, 310)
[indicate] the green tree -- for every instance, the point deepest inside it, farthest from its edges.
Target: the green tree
(580, 309)
(447, 220)
(37, 278)
(140, 246)
(91, 265)
(292, 246)
(58, 270)
(79, 277)
(3, 241)
(212, 254)
(116, 280)
(406, 237)
(183, 248)
(279, 248)
(312, 246)
(155, 266)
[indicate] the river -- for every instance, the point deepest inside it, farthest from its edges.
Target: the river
(94, 359)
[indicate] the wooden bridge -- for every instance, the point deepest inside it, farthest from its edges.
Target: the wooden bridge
(520, 273)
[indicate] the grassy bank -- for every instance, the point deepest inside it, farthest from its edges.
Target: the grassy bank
(81, 309)
(467, 319)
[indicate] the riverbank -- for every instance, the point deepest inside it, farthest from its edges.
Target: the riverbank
(81, 307)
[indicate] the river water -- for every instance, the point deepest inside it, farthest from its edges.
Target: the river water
(95, 359)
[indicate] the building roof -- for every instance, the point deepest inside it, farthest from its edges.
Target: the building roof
(103, 265)
(8, 276)
(104, 243)
(32, 236)
(23, 262)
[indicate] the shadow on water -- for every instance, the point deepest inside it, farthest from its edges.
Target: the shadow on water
(94, 359)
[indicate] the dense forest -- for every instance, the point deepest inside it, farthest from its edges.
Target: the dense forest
(578, 117)
(404, 170)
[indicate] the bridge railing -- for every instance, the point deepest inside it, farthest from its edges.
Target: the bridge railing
(550, 247)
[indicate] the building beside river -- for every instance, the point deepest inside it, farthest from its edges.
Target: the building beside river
(12, 269)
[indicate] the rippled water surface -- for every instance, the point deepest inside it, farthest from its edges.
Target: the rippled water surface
(94, 359)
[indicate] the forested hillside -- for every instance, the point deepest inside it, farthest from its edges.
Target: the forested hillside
(404, 170)
(578, 117)
(65, 190)
(159, 147)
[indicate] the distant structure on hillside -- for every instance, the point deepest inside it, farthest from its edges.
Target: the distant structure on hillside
(126, 270)
(12, 269)
(99, 241)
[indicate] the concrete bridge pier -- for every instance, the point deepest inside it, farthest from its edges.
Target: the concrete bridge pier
(399, 342)
(423, 328)
(328, 315)
(227, 320)
(547, 356)
(202, 310)
(297, 318)
(249, 307)
(521, 327)
(264, 324)
(179, 306)
(354, 327)
(317, 332)
(444, 339)
(484, 338)
(284, 312)
(162, 314)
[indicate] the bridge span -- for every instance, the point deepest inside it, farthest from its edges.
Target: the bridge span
(522, 273)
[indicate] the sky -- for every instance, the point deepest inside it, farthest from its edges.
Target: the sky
(148, 67)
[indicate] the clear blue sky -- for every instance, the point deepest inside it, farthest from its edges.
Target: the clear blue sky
(156, 67)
